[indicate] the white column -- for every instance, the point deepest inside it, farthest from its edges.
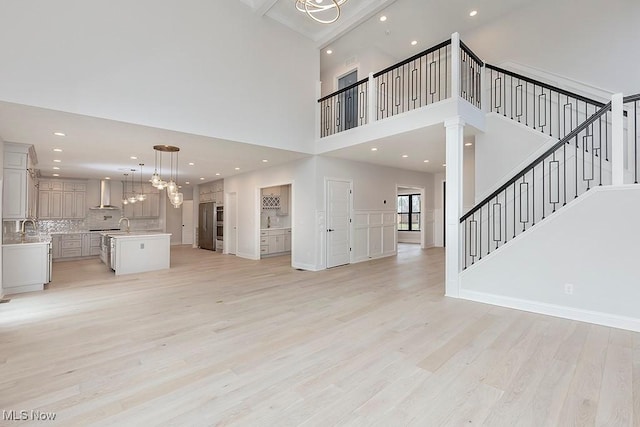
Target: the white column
(372, 104)
(454, 146)
(455, 65)
(617, 139)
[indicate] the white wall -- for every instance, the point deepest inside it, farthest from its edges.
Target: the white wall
(586, 40)
(1, 187)
(194, 66)
(503, 150)
(173, 220)
(374, 185)
(370, 60)
(301, 175)
(591, 244)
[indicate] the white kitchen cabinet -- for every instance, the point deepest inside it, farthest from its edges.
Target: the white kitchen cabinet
(55, 246)
(275, 241)
(49, 204)
(25, 267)
(51, 185)
(74, 204)
(284, 200)
(149, 208)
(14, 195)
(90, 244)
(16, 159)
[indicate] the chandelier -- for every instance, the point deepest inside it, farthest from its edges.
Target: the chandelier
(174, 196)
(133, 196)
(322, 11)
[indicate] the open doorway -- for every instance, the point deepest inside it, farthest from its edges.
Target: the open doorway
(276, 224)
(411, 215)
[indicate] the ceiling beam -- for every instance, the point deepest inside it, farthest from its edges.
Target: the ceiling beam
(265, 6)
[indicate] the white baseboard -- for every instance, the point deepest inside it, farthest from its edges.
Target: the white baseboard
(598, 318)
(306, 267)
(247, 256)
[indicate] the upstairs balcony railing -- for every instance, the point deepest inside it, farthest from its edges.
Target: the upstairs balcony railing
(423, 79)
(632, 106)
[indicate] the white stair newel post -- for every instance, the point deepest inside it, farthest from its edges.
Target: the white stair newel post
(373, 99)
(455, 65)
(617, 139)
(454, 199)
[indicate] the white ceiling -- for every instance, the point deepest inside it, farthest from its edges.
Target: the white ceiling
(97, 148)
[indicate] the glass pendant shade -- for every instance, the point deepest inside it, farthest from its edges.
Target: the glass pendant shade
(155, 180)
(177, 199)
(125, 201)
(141, 197)
(132, 199)
(162, 185)
(172, 187)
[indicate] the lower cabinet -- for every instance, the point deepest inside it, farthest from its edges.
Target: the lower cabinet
(275, 241)
(76, 245)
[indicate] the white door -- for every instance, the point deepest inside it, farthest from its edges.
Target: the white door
(187, 222)
(338, 214)
(232, 220)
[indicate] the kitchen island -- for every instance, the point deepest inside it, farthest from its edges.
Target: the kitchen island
(26, 264)
(138, 252)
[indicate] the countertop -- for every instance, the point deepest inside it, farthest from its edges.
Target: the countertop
(275, 228)
(103, 231)
(27, 240)
(135, 234)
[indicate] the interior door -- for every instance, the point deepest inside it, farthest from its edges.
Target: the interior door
(232, 220)
(338, 223)
(187, 222)
(349, 100)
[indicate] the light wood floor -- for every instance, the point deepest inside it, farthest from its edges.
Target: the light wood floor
(219, 340)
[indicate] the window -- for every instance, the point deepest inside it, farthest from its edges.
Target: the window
(409, 212)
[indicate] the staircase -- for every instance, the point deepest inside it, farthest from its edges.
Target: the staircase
(579, 161)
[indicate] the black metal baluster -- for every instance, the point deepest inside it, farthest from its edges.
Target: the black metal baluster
(533, 196)
(576, 171)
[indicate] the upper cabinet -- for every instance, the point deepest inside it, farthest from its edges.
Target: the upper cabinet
(62, 199)
(212, 192)
(149, 208)
(276, 199)
(19, 183)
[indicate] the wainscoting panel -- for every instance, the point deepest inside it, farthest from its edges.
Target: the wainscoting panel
(374, 235)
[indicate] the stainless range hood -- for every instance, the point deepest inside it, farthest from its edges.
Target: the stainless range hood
(105, 197)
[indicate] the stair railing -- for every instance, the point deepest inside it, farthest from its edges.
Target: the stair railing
(421, 80)
(344, 109)
(632, 105)
(470, 76)
(551, 110)
(569, 168)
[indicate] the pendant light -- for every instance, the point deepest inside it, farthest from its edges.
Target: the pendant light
(141, 196)
(174, 196)
(125, 200)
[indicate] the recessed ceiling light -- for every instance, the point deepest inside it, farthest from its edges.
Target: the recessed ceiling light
(383, 18)
(55, 168)
(59, 134)
(374, 149)
(444, 165)
(191, 163)
(58, 150)
(237, 169)
(404, 156)
(468, 144)
(265, 161)
(187, 182)
(218, 174)
(107, 177)
(329, 51)
(133, 158)
(201, 179)
(58, 161)
(426, 161)
(473, 13)
(56, 174)
(179, 186)
(415, 42)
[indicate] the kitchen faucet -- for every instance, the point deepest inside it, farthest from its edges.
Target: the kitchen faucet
(120, 222)
(32, 221)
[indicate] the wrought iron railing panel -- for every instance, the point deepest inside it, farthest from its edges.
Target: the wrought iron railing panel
(344, 109)
(551, 110)
(418, 81)
(470, 76)
(568, 169)
(632, 106)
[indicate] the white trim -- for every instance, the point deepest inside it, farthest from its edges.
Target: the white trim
(247, 256)
(598, 318)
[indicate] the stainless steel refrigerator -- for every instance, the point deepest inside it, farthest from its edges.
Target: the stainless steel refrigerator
(207, 226)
